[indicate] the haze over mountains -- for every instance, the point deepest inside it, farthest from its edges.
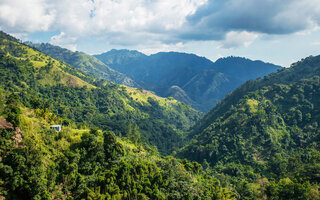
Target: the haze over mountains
(189, 78)
(261, 141)
(170, 125)
(83, 161)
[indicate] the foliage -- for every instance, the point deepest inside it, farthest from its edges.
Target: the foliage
(76, 163)
(91, 164)
(264, 143)
(270, 133)
(85, 63)
(45, 83)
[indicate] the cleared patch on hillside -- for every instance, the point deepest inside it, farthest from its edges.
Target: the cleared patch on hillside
(253, 105)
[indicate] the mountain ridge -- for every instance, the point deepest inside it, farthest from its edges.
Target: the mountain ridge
(87, 63)
(263, 130)
(165, 69)
(260, 142)
(38, 77)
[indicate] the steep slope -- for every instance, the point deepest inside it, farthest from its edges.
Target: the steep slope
(34, 66)
(210, 86)
(177, 93)
(40, 163)
(84, 62)
(266, 128)
(43, 82)
(307, 68)
(191, 73)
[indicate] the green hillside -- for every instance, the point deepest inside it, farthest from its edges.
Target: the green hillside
(39, 163)
(81, 161)
(87, 63)
(262, 141)
(306, 68)
(45, 70)
(264, 136)
(45, 83)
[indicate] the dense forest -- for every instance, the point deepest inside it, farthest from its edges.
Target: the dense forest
(45, 83)
(268, 138)
(40, 163)
(117, 142)
(87, 160)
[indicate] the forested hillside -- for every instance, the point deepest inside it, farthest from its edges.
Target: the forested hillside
(78, 163)
(189, 78)
(262, 141)
(81, 161)
(45, 83)
(84, 62)
(264, 136)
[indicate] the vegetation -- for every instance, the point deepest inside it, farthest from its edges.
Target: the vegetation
(45, 83)
(39, 163)
(87, 163)
(261, 142)
(267, 143)
(189, 78)
(85, 63)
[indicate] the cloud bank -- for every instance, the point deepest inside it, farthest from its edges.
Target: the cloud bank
(234, 23)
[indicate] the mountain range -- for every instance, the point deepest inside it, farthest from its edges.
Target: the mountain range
(194, 80)
(189, 78)
(81, 98)
(84, 62)
(260, 141)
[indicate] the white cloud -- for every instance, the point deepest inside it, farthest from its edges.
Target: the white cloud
(141, 21)
(21, 16)
(234, 23)
(316, 43)
(64, 41)
(142, 15)
(73, 17)
(162, 48)
(234, 39)
(119, 21)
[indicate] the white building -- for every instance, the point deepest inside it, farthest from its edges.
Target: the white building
(56, 127)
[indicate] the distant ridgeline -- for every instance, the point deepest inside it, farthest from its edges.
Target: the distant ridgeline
(46, 83)
(85, 63)
(189, 78)
(36, 162)
(262, 141)
(264, 137)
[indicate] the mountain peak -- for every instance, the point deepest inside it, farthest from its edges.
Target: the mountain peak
(209, 81)
(87, 63)
(121, 51)
(239, 59)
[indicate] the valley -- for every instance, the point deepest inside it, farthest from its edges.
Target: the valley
(132, 126)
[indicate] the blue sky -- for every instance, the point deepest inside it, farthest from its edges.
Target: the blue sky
(277, 31)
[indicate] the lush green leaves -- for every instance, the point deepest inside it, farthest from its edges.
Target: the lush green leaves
(265, 130)
(44, 83)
